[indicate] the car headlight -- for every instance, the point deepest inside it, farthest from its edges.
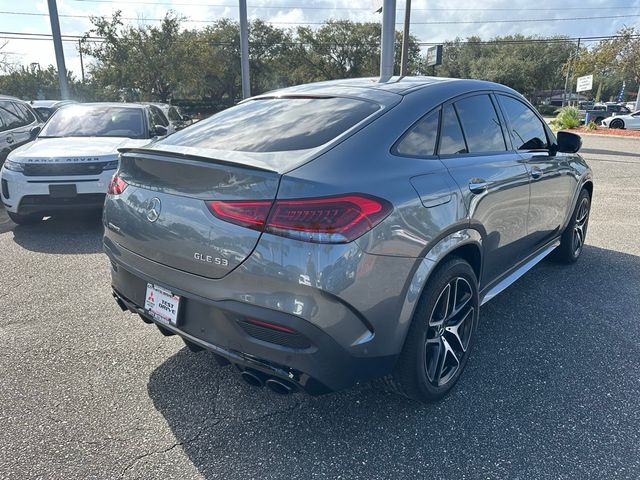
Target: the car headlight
(14, 166)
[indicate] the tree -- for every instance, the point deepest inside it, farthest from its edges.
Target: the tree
(141, 63)
(524, 63)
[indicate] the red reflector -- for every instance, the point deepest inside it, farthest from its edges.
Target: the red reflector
(117, 185)
(272, 326)
(250, 214)
(337, 219)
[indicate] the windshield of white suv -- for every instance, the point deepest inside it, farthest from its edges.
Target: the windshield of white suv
(95, 121)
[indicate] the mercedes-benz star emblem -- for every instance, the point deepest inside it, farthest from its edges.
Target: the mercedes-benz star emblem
(153, 209)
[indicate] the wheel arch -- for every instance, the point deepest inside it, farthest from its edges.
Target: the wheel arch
(465, 244)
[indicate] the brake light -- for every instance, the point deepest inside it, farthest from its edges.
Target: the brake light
(117, 185)
(247, 214)
(336, 219)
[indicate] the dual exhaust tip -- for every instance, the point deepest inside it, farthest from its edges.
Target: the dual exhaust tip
(276, 385)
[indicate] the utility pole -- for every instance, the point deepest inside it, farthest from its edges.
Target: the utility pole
(575, 59)
(404, 63)
(81, 62)
(387, 43)
(57, 46)
(244, 50)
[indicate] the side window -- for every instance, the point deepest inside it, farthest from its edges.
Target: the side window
(157, 117)
(9, 118)
(451, 138)
(527, 131)
(420, 140)
(173, 115)
(26, 113)
(480, 124)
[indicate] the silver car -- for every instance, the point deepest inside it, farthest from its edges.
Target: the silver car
(333, 233)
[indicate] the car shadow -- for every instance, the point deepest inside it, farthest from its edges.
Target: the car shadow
(551, 388)
(71, 233)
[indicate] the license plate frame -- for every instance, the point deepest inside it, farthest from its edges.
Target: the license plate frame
(162, 304)
(63, 191)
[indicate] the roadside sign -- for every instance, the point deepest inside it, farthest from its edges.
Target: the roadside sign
(434, 55)
(584, 83)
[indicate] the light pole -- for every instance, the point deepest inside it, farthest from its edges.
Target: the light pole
(244, 50)
(404, 63)
(57, 46)
(387, 43)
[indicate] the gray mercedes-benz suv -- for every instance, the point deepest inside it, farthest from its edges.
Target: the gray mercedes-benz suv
(332, 233)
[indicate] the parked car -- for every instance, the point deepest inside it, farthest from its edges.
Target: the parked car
(631, 121)
(19, 124)
(431, 195)
(177, 120)
(603, 110)
(45, 108)
(71, 162)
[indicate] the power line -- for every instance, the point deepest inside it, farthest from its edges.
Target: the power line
(304, 7)
(75, 38)
(439, 22)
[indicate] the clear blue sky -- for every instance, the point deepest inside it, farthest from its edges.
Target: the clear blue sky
(288, 13)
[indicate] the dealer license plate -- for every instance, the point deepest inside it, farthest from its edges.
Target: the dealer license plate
(161, 304)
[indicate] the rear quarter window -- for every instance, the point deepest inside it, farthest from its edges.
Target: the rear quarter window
(275, 124)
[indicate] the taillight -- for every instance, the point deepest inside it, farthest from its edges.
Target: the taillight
(337, 219)
(117, 185)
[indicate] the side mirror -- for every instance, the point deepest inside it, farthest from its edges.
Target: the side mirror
(33, 133)
(569, 142)
(160, 130)
(186, 118)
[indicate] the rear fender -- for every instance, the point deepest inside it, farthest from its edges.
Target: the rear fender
(425, 270)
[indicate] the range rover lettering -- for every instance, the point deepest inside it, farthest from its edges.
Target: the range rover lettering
(354, 228)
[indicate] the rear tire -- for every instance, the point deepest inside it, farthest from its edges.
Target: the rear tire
(617, 123)
(24, 219)
(599, 120)
(572, 240)
(441, 334)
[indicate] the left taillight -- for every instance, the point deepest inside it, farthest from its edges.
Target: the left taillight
(335, 219)
(117, 185)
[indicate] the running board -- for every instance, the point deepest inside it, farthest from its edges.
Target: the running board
(518, 272)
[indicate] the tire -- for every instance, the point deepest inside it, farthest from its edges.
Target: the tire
(439, 340)
(573, 237)
(598, 120)
(24, 219)
(617, 123)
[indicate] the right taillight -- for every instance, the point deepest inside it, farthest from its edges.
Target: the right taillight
(335, 219)
(117, 185)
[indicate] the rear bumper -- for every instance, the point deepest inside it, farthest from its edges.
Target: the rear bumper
(312, 361)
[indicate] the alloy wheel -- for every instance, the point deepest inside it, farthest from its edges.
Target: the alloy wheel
(449, 331)
(580, 226)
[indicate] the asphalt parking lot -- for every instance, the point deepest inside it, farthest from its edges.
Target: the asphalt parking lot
(552, 389)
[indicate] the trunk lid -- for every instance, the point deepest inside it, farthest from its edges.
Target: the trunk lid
(162, 215)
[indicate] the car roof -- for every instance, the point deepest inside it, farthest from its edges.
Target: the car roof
(113, 104)
(386, 92)
(50, 103)
(9, 97)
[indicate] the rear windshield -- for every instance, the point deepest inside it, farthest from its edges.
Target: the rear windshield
(95, 121)
(275, 124)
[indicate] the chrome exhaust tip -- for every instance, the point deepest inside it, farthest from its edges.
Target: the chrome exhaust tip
(252, 378)
(281, 387)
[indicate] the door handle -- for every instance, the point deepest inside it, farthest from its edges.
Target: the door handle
(477, 185)
(536, 172)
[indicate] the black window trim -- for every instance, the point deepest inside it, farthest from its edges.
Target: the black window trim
(474, 93)
(434, 156)
(551, 140)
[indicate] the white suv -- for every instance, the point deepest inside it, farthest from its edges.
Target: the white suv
(71, 162)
